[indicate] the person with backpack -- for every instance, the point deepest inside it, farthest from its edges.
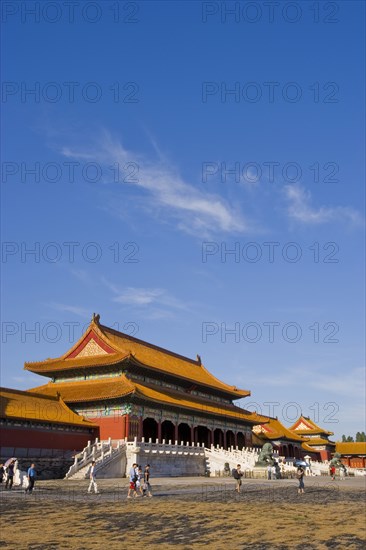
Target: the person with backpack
(237, 475)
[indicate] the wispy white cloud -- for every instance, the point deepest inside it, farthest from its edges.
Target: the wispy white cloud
(192, 210)
(75, 310)
(148, 296)
(156, 303)
(351, 383)
(300, 209)
(139, 296)
(83, 275)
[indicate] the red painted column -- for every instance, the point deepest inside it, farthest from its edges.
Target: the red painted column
(192, 435)
(141, 428)
(159, 431)
(235, 439)
(212, 437)
(127, 429)
(176, 432)
(224, 440)
(123, 427)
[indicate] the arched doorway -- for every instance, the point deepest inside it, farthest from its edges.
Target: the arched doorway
(167, 431)
(218, 437)
(202, 435)
(150, 429)
(241, 440)
(184, 433)
(230, 439)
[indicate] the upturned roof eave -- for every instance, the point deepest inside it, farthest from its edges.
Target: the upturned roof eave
(235, 393)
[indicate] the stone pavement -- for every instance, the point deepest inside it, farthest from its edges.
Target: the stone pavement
(195, 488)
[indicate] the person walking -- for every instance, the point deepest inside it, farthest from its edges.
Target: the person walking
(10, 475)
(269, 471)
(146, 486)
(2, 472)
(139, 480)
(92, 476)
(274, 472)
(300, 476)
(31, 475)
(133, 479)
(237, 475)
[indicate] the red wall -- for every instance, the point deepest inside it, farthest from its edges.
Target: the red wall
(45, 439)
(111, 426)
(325, 455)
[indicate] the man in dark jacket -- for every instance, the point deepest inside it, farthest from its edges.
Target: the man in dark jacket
(10, 475)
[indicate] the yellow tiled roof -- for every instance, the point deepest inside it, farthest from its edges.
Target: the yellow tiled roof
(129, 348)
(28, 405)
(318, 441)
(170, 397)
(274, 429)
(313, 428)
(167, 362)
(309, 449)
(120, 386)
(351, 448)
(89, 390)
(50, 366)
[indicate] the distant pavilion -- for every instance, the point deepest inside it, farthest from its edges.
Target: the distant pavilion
(316, 438)
(286, 442)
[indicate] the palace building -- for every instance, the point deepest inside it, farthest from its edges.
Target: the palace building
(316, 438)
(353, 454)
(286, 442)
(131, 388)
(33, 424)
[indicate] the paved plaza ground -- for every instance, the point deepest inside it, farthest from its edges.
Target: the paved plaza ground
(187, 513)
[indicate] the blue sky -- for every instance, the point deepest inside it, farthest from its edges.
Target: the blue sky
(161, 137)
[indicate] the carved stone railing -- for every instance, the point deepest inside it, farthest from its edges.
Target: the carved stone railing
(102, 452)
(217, 457)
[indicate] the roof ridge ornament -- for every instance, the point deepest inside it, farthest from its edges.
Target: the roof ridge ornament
(96, 318)
(199, 359)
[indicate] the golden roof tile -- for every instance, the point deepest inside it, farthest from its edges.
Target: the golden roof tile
(351, 448)
(309, 449)
(274, 429)
(116, 387)
(89, 390)
(319, 441)
(50, 366)
(32, 406)
(305, 426)
(178, 399)
(127, 348)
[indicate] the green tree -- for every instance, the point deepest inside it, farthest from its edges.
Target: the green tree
(360, 436)
(347, 439)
